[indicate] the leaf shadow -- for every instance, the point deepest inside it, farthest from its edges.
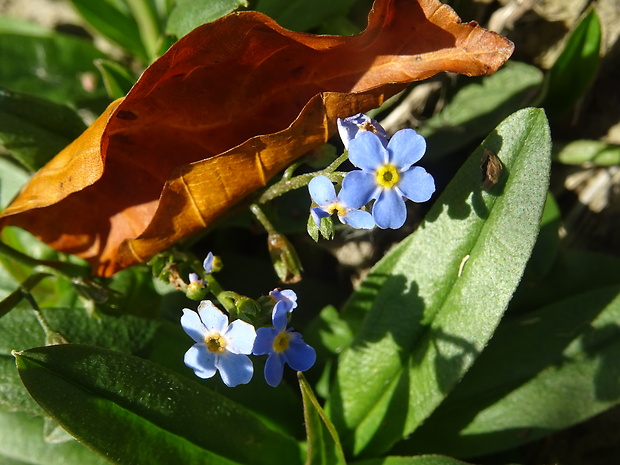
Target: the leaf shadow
(464, 194)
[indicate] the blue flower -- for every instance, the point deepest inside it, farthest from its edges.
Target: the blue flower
(219, 345)
(387, 174)
(350, 127)
(324, 195)
(208, 263)
(283, 347)
(287, 296)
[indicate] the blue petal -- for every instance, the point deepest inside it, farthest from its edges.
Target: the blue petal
(234, 369)
(208, 263)
(406, 147)
(285, 295)
(299, 355)
(192, 325)
(278, 316)
(359, 219)
(389, 210)
(322, 190)
(349, 128)
(358, 188)
(212, 317)
(317, 214)
(263, 344)
(199, 359)
(240, 337)
(367, 152)
(416, 184)
(273, 369)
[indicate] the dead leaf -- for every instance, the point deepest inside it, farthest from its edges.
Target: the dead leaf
(225, 109)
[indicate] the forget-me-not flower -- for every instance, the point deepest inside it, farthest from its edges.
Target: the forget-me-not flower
(287, 296)
(219, 345)
(283, 347)
(324, 195)
(387, 174)
(350, 127)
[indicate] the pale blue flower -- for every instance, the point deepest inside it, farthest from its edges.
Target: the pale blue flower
(350, 127)
(219, 345)
(208, 263)
(283, 347)
(387, 175)
(324, 195)
(287, 296)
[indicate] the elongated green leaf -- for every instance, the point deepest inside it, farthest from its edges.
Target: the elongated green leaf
(189, 14)
(23, 443)
(417, 460)
(50, 65)
(579, 152)
(33, 130)
(12, 178)
(575, 68)
(323, 442)
(542, 372)
(20, 330)
(427, 310)
(478, 107)
(114, 23)
(117, 79)
(112, 401)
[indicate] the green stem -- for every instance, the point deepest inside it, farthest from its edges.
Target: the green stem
(288, 184)
(51, 337)
(55, 268)
(262, 218)
(146, 16)
(10, 301)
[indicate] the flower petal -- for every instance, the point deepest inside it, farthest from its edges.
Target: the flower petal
(367, 152)
(287, 295)
(406, 147)
(317, 214)
(273, 369)
(350, 127)
(234, 369)
(208, 263)
(358, 219)
(322, 190)
(240, 337)
(299, 355)
(263, 344)
(192, 325)
(416, 184)
(199, 359)
(358, 188)
(212, 317)
(389, 210)
(278, 316)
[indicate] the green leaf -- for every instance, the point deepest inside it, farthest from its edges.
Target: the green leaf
(301, 15)
(324, 446)
(21, 330)
(418, 460)
(117, 79)
(23, 443)
(426, 311)
(543, 372)
(478, 107)
(115, 23)
(12, 179)
(547, 245)
(33, 129)
(592, 152)
(112, 401)
(189, 14)
(575, 68)
(49, 64)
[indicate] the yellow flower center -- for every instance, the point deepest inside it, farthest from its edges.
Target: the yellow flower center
(281, 342)
(387, 176)
(215, 343)
(336, 207)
